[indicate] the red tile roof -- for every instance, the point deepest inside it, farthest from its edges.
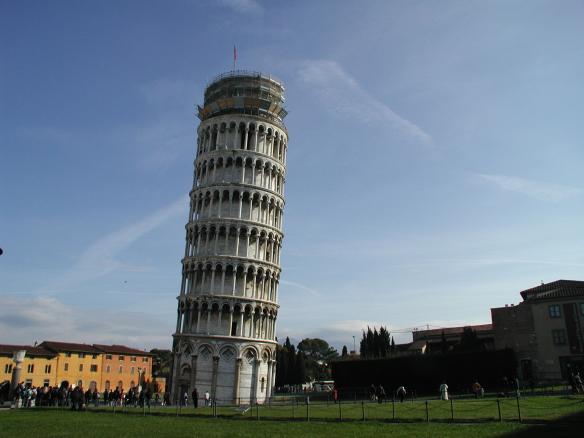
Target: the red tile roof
(8, 350)
(121, 349)
(453, 330)
(61, 347)
(555, 289)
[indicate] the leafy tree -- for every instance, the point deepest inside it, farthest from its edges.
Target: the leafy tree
(317, 349)
(317, 355)
(469, 340)
(375, 344)
(443, 344)
(161, 363)
(300, 375)
(344, 352)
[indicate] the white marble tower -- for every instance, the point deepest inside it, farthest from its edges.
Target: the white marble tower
(225, 339)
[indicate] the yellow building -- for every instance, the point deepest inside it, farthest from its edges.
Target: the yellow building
(38, 369)
(89, 366)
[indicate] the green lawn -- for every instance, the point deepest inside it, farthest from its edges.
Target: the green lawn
(546, 416)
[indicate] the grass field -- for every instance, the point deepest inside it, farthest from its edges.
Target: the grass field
(542, 416)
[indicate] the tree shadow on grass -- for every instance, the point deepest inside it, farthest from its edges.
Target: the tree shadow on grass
(568, 426)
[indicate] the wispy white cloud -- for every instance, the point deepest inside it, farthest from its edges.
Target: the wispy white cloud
(101, 257)
(37, 318)
(243, 6)
(341, 93)
(534, 189)
(302, 287)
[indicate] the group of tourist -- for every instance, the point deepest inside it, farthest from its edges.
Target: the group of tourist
(28, 396)
(195, 398)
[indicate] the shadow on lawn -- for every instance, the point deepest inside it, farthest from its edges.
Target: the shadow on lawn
(567, 426)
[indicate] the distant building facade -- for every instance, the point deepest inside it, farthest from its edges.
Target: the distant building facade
(431, 340)
(90, 366)
(546, 330)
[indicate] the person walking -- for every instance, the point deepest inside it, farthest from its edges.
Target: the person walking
(195, 396)
(207, 398)
(443, 391)
(186, 398)
(476, 389)
(401, 393)
(381, 394)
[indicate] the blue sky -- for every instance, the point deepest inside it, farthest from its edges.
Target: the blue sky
(434, 170)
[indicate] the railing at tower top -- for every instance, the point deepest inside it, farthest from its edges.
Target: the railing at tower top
(245, 73)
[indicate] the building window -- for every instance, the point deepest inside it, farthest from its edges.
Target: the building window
(559, 337)
(67, 354)
(582, 309)
(30, 368)
(132, 370)
(107, 369)
(121, 370)
(93, 368)
(8, 368)
(108, 357)
(66, 367)
(81, 355)
(133, 358)
(121, 357)
(80, 367)
(144, 359)
(554, 311)
(47, 369)
(28, 382)
(94, 356)
(46, 382)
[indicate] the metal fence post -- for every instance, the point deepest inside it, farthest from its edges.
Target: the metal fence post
(499, 409)
(363, 410)
(427, 415)
(393, 409)
(307, 409)
(518, 409)
(452, 410)
(257, 411)
(340, 411)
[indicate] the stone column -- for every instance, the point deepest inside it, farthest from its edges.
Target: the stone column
(234, 271)
(175, 376)
(199, 319)
(193, 371)
(208, 319)
(177, 321)
(269, 379)
(273, 380)
(230, 321)
(17, 358)
(246, 137)
(214, 378)
(237, 232)
(236, 400)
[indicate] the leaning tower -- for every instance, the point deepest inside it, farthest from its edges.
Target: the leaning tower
(225, 339)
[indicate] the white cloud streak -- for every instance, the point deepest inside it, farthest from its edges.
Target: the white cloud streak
(101, 257)
(243, 6)
(341, 93)
(302, 287)
(533, 189)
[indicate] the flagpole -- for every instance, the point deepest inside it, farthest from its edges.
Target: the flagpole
(234, 56)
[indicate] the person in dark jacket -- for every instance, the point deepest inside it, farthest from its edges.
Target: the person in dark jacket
(195, 395)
